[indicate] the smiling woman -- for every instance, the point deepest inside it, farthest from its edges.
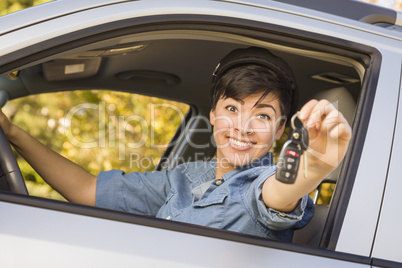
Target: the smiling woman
(253, 92)
(244, 131)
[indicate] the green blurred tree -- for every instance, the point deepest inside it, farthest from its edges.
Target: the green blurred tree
(98, 130)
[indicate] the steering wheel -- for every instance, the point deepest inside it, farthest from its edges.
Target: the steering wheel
(10, 168)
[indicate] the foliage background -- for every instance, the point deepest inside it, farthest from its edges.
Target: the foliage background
(44, 116)
(8, 6)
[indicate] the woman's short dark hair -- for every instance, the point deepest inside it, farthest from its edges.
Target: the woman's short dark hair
(240, 82)
(245, 72)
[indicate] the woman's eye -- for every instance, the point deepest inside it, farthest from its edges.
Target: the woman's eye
(231, 108)
(264, 117)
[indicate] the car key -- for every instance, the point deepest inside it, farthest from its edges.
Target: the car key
(289, 158)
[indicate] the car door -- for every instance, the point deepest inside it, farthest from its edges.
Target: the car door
(386, 248)
(76, 235)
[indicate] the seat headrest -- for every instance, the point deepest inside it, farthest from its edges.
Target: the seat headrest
(341, 98)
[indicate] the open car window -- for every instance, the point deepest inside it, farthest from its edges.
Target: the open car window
(108, 136)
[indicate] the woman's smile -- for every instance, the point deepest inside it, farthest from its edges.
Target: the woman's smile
(240, 145)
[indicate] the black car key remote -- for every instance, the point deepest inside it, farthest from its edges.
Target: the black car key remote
(289, 158)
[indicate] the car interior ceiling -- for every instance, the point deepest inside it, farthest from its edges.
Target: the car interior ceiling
(173, 67)
(168, 68)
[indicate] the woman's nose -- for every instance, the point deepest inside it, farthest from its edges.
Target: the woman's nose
(243, 126)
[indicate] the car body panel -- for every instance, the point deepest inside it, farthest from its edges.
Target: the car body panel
(389, 230)
(70, 240)
(330, 12)
(37, 14)
(361, 217)
(49, 29)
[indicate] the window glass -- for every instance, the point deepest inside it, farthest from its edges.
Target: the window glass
(99, 130)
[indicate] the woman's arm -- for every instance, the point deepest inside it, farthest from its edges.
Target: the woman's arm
(69, 179)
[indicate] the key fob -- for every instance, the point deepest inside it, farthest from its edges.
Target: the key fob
(292, 150)
(288, 163)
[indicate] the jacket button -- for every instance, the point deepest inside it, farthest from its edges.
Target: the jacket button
(218, 182)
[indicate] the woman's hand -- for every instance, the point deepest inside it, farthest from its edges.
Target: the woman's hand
(5, 124)
(329, 136)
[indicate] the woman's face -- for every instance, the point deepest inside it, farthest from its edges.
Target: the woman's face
(244, 131)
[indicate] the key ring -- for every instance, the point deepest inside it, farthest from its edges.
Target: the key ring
(292, 120)
(292, 124)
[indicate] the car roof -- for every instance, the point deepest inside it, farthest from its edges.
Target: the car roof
(47, 11)
(350, 9)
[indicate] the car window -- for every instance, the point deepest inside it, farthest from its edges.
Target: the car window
(100, 130)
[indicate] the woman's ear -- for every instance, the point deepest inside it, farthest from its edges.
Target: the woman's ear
(212, 117)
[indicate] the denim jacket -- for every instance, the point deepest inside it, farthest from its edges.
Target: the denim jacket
(190, 193)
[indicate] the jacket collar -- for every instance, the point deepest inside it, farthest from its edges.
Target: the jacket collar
(203, 171)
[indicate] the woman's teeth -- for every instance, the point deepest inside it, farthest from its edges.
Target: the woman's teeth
(240, 143)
